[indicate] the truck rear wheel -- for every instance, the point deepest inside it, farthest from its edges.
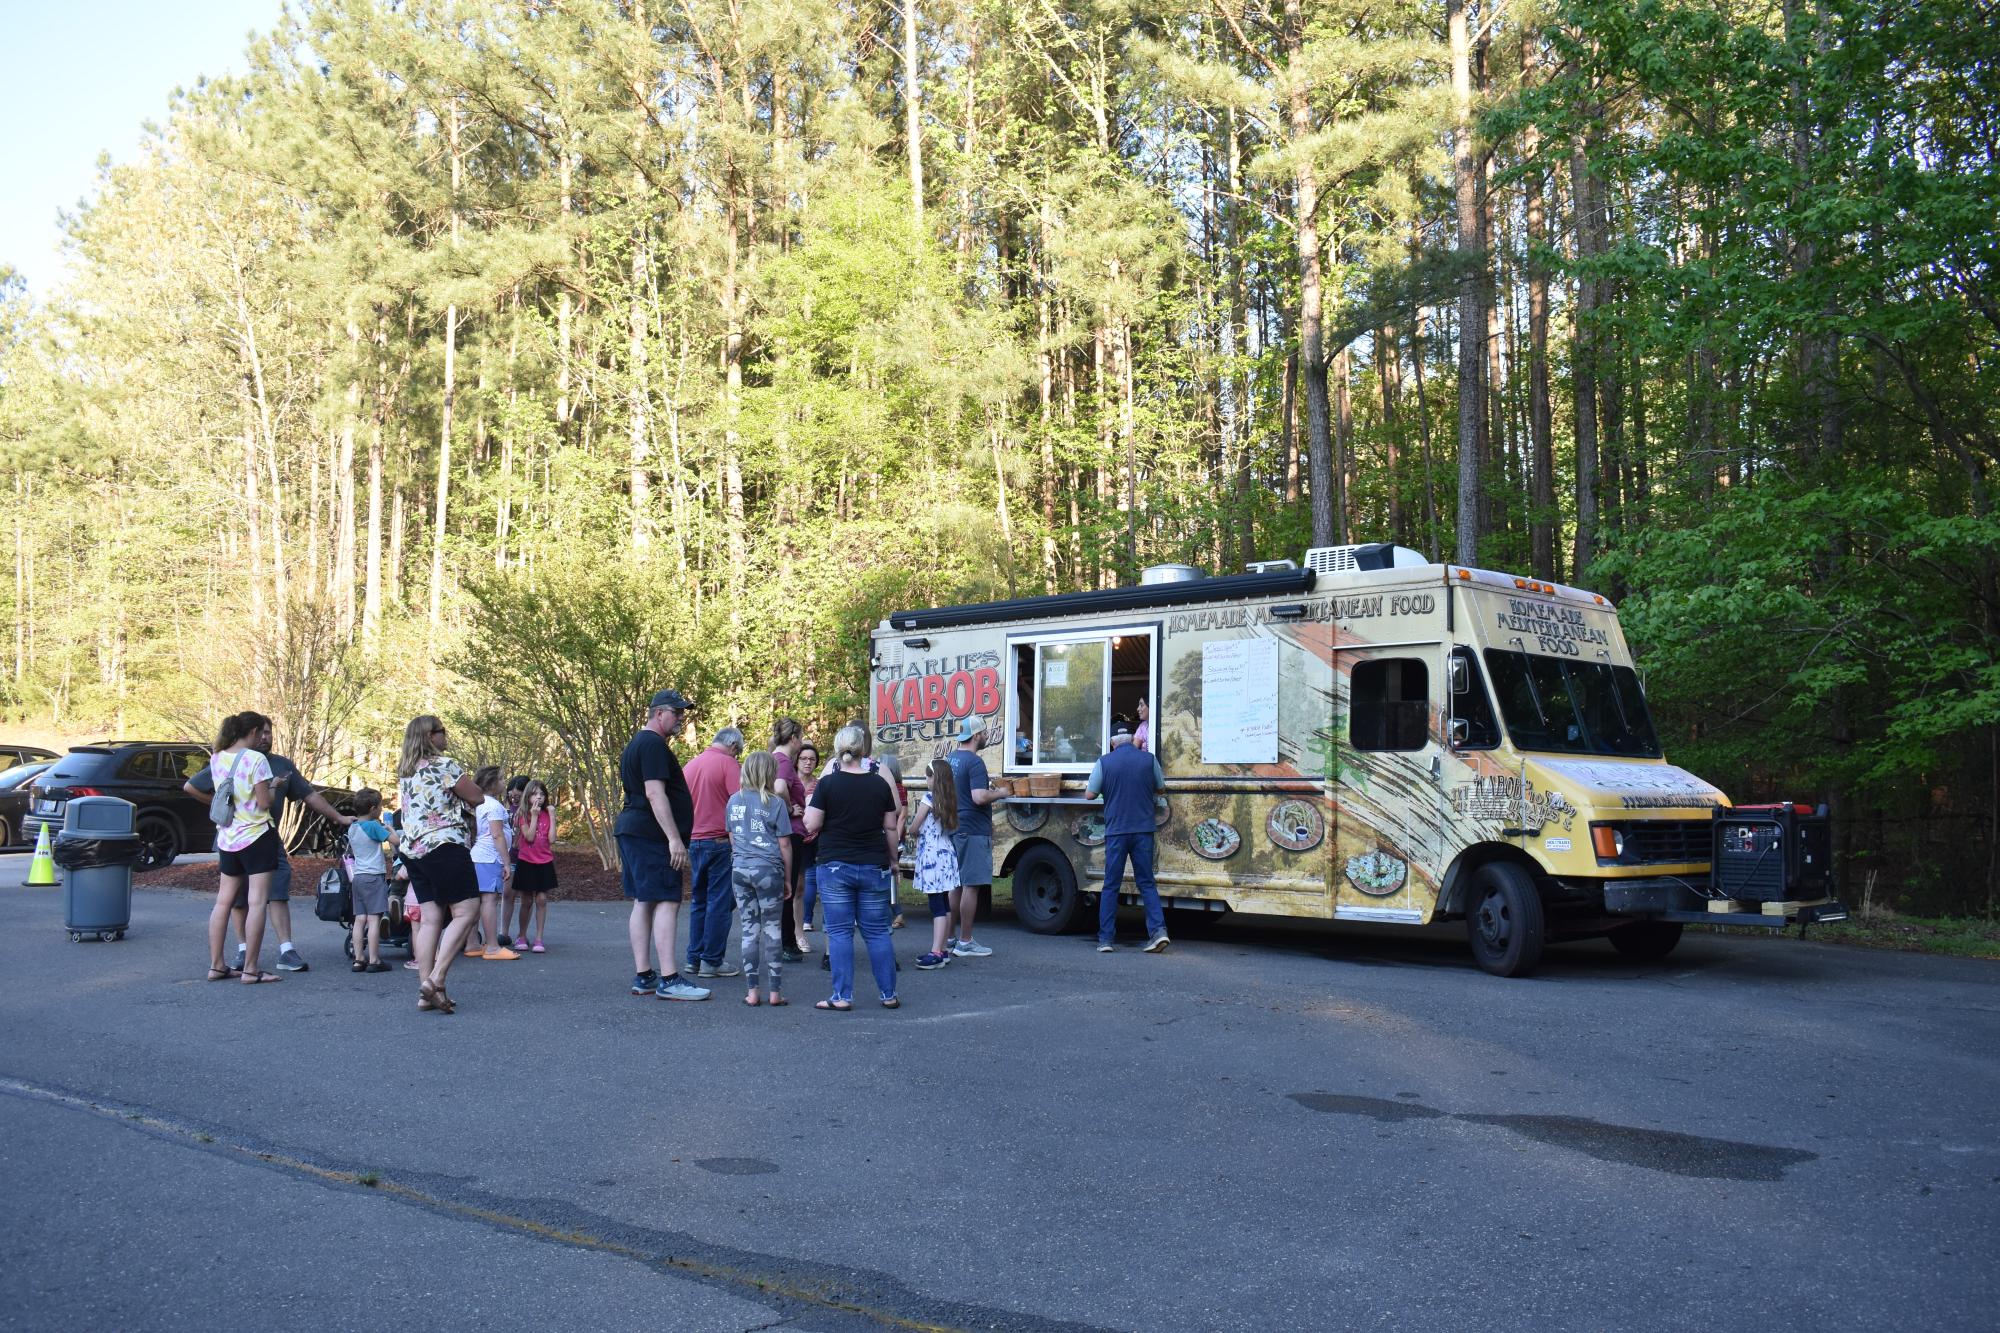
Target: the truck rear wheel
(1045, 896)
(1646, 941)
(1503, 920)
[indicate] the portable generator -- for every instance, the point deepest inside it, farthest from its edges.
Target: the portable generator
(1773, 853)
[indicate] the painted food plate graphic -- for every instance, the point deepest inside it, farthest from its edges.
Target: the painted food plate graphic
(1377, 873)
(1214, 840)
(1088, 829)
(1296, 826)
(1027, 816)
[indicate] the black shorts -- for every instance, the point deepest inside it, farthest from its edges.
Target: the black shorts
(444, 875)
(534, 877)
(259, 858)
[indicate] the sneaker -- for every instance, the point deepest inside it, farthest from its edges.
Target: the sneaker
(506, 941)
(931, 962)
(1158, 944)
(806, 926)
(1107, 948)
(970, 949)
(721, 969)
(645, 983)
(289, 961)
(791, 955)
(501, 955)
(242, 952)
(678, 987)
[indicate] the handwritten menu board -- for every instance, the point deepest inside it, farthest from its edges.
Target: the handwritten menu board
(1239, 702)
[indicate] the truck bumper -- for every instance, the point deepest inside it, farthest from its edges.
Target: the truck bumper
(1684, 899)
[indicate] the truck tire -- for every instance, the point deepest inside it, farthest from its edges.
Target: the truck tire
(1503, 920)
(1046, 900)
(159, 842)
(1646, 941)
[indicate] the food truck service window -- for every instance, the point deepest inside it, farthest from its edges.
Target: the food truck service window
(1389, 704)
(1069, 688)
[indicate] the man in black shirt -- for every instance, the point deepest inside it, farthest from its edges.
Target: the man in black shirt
(652, 831)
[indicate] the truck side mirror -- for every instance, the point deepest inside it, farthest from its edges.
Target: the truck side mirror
(1461, 733)
(1461, 676)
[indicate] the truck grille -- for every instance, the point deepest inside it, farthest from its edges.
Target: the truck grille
(1659, 842)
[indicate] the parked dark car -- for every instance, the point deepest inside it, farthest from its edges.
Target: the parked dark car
(147, 773)
(150, 774)
(13, 756)
(14, 797)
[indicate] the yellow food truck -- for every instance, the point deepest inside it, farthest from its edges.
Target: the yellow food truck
(1367, 737)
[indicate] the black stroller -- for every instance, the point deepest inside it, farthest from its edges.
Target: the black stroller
(335, 902)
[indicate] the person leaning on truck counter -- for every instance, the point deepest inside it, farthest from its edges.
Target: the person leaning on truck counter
(1128, 778)
(972, 840)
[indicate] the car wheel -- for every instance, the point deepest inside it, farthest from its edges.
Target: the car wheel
(6, 834)
(159, 842)
(1646, 941)
(1045, 897)
(1503, 920)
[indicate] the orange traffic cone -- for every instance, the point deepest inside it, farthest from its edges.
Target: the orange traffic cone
(42, 870)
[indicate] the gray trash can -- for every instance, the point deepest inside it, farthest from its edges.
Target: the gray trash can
(94, 855)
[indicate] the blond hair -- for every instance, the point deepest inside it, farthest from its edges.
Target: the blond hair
(849, 744)
(760, 772)
(417, 747)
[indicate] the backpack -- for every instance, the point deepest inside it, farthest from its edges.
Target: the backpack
(222, 805)
(335, 900)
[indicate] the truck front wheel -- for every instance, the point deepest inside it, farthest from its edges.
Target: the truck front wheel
(1045, 897)
(1503, 920)
(1646, 941)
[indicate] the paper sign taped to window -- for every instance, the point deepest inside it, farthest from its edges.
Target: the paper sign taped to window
(1055, 673)
(1239, 702)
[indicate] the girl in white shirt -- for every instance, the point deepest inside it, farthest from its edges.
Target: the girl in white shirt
(491, 864)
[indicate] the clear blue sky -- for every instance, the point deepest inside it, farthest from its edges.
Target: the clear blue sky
(80, 79)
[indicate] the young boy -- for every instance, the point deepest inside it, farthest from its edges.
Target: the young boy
(367, 839)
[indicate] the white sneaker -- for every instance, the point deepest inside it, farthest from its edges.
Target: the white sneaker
(970, 949)
(1158, 944)
(1107, 948)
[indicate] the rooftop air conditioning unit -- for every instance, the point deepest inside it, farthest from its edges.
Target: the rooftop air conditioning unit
(1353, 559)
(1152, 574)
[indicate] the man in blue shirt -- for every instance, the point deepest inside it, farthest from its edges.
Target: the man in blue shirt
(1128, 778)
(972, 840)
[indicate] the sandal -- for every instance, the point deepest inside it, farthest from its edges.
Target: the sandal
(357, 966)
(752, 1000)
(777, 1002)
(259, 978)
(892, 1003)
(834, 1006)
(431, 991)
(223, 973)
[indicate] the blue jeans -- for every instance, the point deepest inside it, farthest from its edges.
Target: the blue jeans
(810, 889)
(1137, 848)
(857, 893)
(714, 901)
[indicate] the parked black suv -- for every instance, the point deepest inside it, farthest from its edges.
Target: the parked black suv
(147, 773)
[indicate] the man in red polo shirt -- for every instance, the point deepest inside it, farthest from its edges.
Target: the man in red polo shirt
(713, 776)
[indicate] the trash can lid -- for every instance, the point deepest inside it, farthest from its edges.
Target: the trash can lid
(98, 815)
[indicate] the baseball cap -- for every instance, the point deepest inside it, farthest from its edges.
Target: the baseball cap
(673, 699)
(1121, 728)
(970, 728)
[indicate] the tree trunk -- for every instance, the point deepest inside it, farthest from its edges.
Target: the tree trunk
(1583, 361)
(1312, 344)
(1541, 431)
(1471, 317)
(1343, 468)
(449, 397)
(913, 115)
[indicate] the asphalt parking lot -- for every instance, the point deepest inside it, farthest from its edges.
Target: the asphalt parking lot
(1266, 1127)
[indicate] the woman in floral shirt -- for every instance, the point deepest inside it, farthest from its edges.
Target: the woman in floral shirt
(246, 847)
(437, 794)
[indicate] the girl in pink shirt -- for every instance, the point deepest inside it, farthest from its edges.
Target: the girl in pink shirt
(535, 865)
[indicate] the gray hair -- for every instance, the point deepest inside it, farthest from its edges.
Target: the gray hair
(850, 743)
(730, 738)
(1119, 738)
(894, 765)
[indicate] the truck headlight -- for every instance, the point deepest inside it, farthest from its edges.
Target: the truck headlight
(1608, 840)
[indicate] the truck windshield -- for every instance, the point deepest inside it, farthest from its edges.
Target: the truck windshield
(1551, 703)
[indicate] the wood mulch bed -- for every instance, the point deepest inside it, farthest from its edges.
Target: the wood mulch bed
(580, 877)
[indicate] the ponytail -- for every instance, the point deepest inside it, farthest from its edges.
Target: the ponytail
(850, 744)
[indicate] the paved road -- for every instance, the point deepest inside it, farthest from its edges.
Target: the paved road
(1264, 1128)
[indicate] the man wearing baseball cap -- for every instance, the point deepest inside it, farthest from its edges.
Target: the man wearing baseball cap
(652, 831)
(972, 841)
